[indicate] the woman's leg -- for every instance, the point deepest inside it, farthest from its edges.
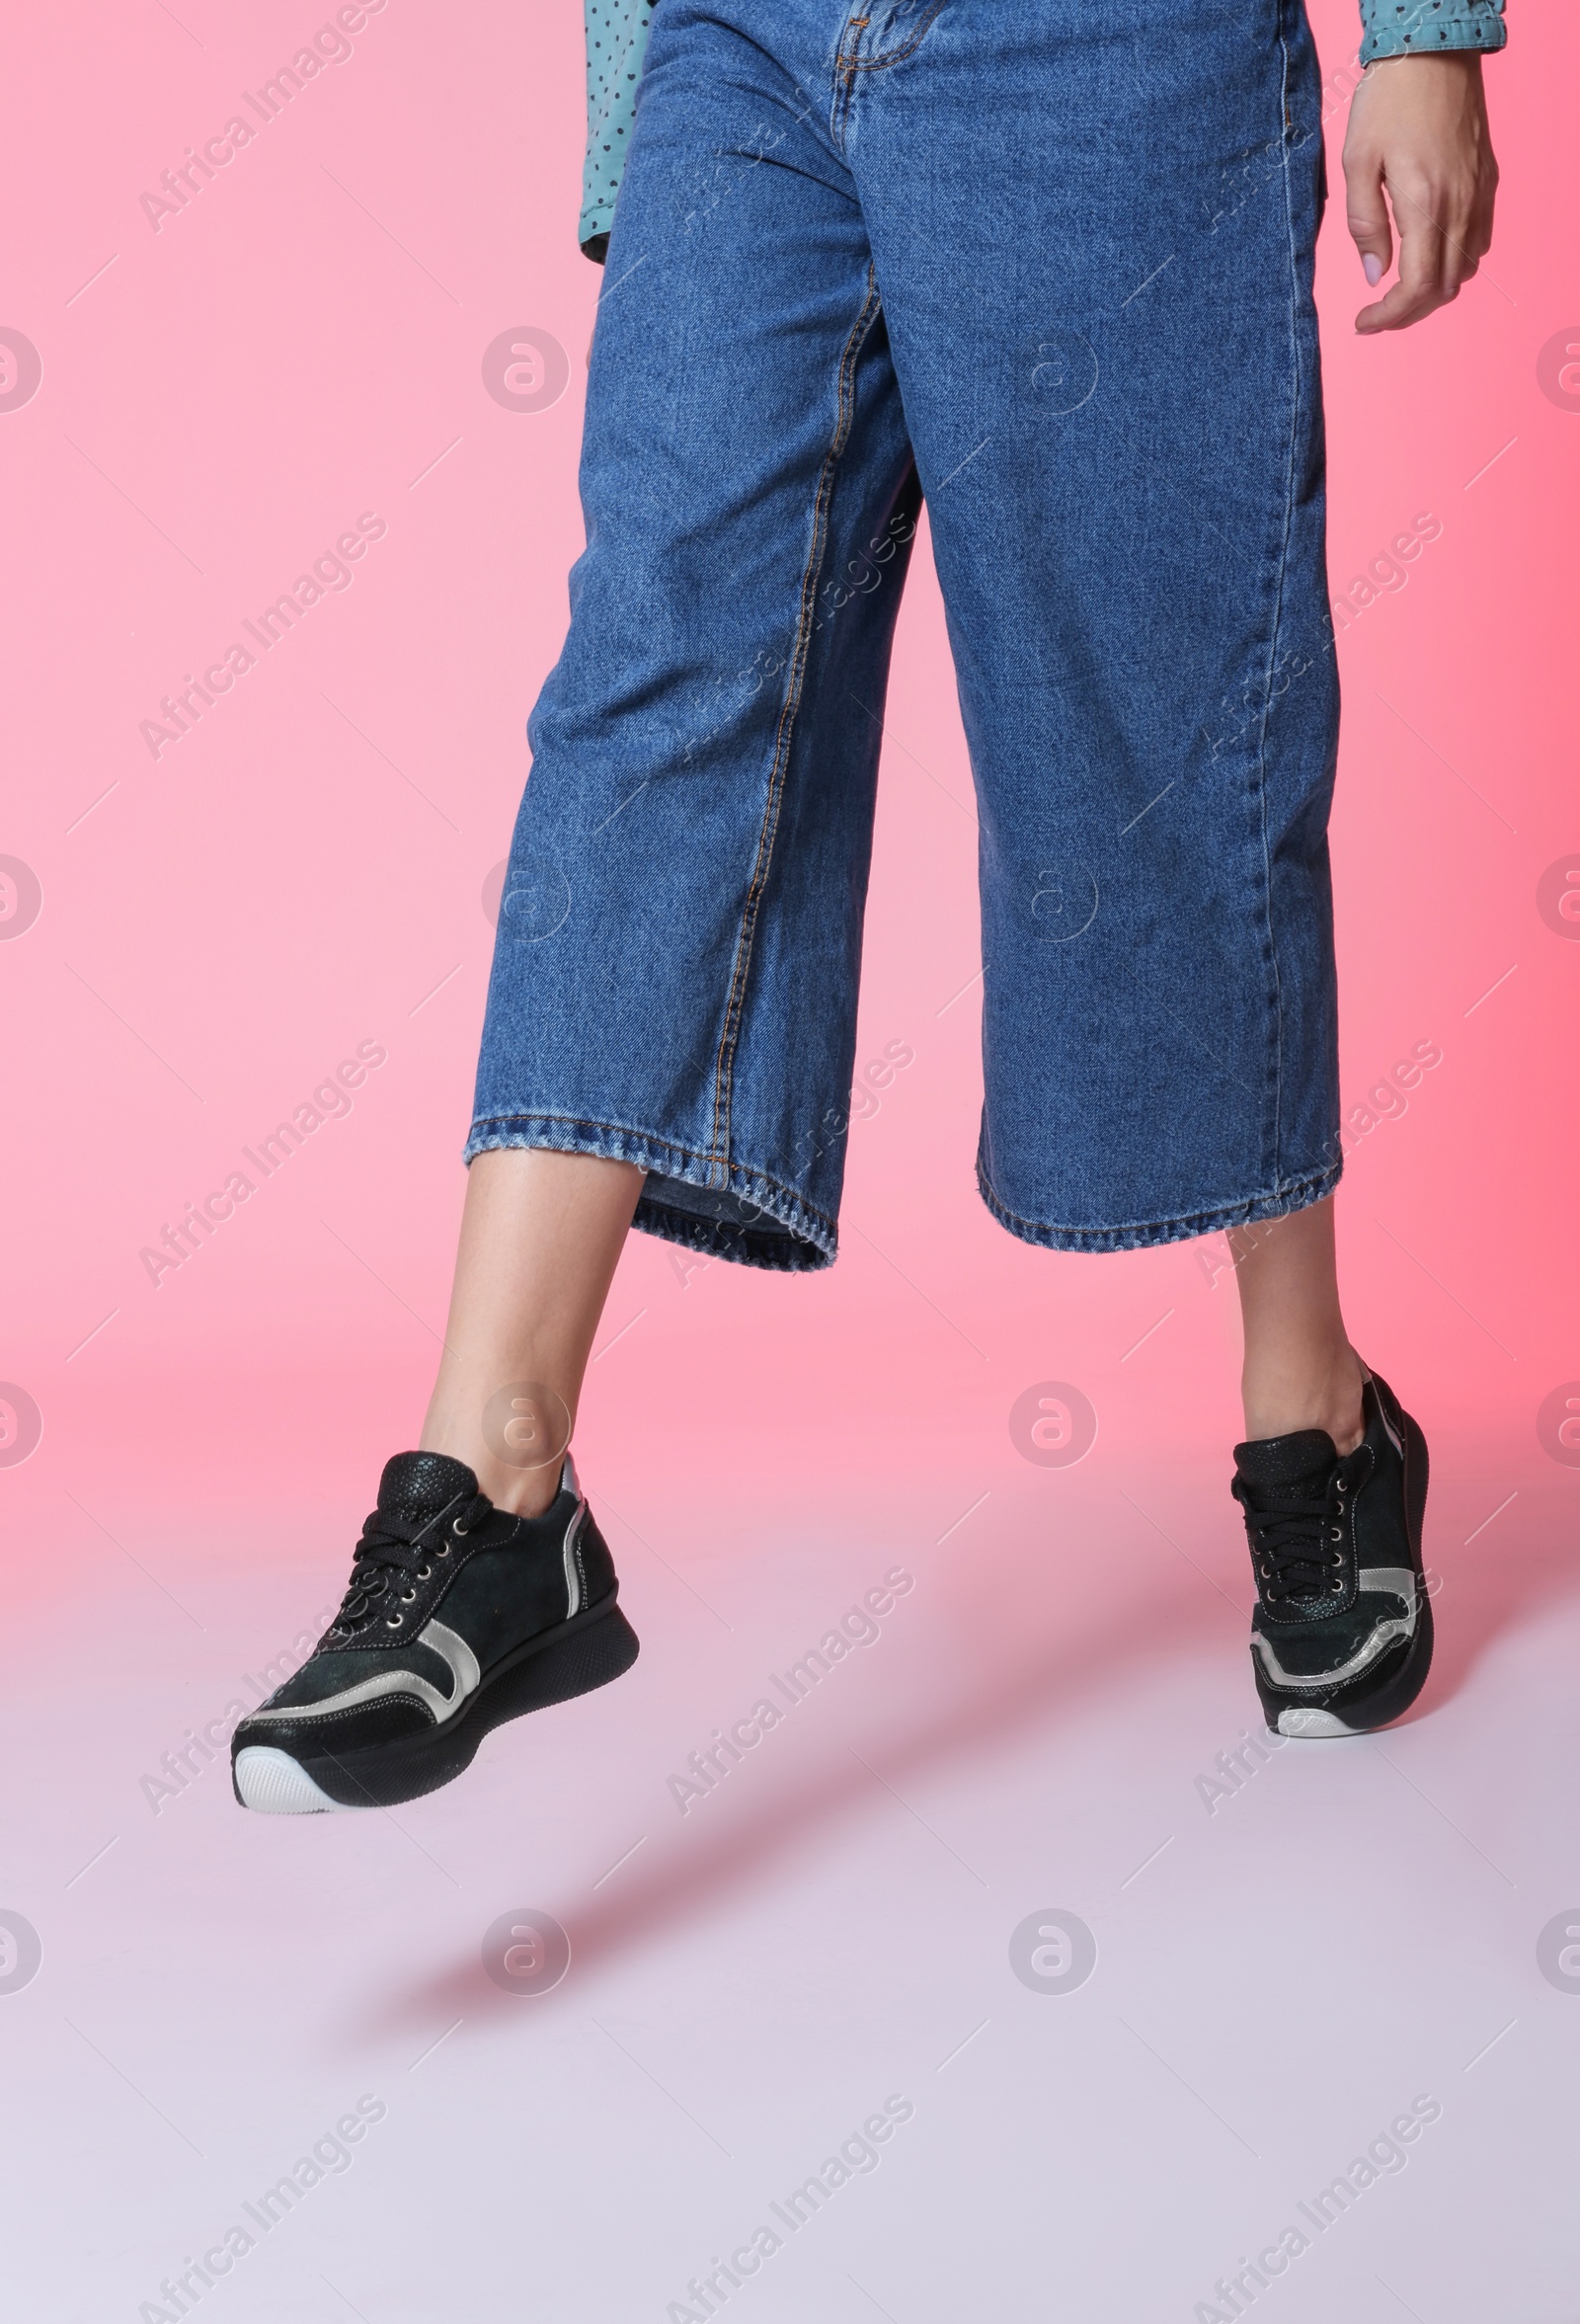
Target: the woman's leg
(671, 1015)
(1332, 1482)
(540, 1237)
(459, 1617)
(1300, 1369)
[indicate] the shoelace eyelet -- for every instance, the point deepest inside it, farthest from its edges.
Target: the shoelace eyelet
(407, 1596)
(393, 1621)
(459, 1530)
(424, 1572)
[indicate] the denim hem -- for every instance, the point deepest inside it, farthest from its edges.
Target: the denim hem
(718, 1238)
(1141, 1234)
(809, 1243)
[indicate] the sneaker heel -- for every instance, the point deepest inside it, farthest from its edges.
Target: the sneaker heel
(1417, 1467)
(575, 1665)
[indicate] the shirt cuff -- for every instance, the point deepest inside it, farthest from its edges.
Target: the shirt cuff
(593, 230)
(1415, 27)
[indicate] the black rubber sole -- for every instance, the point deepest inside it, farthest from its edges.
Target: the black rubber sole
(587, 1652)
(1387, 1692)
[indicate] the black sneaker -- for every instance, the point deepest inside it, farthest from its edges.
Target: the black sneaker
(1341, 1639)
(457, 1617)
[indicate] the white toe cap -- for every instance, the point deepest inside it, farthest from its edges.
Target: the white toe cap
(271, 1781)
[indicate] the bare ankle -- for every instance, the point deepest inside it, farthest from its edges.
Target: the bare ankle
(518, 1492)
(1328, 1396)
(521, 1492)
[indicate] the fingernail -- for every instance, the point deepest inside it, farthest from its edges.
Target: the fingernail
(1374, 267)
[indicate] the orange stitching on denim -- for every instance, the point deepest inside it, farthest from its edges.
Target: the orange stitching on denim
(872, 64)
(724, 1064)
(844, 79)
(846, 67)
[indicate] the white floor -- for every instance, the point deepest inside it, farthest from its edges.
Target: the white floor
(1283, 1971)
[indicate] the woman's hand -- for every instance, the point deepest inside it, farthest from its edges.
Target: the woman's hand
(1418, 126)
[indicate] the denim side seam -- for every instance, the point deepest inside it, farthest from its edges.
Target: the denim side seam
(617, 1142)
(1274, 1146)
(1144, 1234)
(724, 1066)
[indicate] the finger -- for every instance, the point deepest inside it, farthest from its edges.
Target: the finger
(1461, 259)
(1486, 198)
(1421, 286)
(1366, 213)
(1452, 214)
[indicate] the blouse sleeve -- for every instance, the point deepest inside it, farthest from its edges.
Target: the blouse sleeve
(1415, 28)
(617, 37)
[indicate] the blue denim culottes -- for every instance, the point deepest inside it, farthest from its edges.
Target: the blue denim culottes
(1047, 263)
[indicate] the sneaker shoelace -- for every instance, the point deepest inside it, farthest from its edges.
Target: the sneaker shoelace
(391, 1550)
(1297, 1544)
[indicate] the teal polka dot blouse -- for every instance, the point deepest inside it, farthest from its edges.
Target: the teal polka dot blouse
(617, 37)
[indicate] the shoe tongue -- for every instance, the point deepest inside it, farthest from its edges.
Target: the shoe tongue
(416, 1486)
(1282, 1463)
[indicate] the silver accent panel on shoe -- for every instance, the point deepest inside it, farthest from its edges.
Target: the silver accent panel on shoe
(1389, 1429)
(1381, 1638)
(447, 1644)
(573, 1569)
(1400, 1579)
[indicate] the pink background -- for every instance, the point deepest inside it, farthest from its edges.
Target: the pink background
(302, 872)
(224, 924)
